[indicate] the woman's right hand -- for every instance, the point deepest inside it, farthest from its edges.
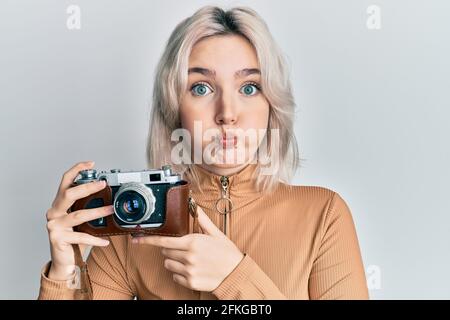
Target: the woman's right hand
(60, 223)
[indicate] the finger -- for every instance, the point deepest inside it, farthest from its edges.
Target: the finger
(180, 243)
(180, 279)
(178, 255)
(207, 225)
(83, 238)
(81, 216)
(70, 175)
(175, 266)
(65, 200)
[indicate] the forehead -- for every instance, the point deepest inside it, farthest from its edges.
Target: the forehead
(224, 52)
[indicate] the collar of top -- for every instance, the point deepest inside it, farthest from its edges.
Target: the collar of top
(242, 185)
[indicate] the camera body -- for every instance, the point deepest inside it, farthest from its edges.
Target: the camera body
(153, 201)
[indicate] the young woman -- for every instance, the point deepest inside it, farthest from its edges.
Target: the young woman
(261, 237)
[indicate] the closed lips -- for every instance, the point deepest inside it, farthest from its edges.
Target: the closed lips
(228, 141)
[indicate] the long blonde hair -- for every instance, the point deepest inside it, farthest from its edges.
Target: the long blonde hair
(172, 76)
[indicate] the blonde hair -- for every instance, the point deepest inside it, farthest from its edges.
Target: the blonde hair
(172, 76)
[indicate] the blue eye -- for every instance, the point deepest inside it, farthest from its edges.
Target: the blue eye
(250, 89)
(200, 89)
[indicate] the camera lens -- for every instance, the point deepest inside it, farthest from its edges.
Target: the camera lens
(134, 203)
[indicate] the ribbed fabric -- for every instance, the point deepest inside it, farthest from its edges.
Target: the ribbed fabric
(299, 243)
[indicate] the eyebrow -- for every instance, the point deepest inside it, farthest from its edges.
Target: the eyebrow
(212, 74)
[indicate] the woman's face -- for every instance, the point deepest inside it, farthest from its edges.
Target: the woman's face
(224, 102)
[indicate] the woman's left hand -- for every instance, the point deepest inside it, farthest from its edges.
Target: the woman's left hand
(198, 261)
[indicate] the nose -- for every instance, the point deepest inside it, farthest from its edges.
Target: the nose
(227, 112)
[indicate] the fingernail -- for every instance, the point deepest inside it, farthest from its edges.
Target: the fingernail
(106, 242)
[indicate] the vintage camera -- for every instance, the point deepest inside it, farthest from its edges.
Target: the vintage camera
(153, 201)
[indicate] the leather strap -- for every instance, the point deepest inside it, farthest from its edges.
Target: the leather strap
(195, 225)
(85, 290)
(193, 211)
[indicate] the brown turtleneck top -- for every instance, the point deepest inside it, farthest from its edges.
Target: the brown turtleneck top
(299, 243)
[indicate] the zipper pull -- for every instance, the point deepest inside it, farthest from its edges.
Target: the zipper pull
(226, 202)
(224, 182)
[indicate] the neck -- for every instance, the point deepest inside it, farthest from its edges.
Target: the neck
(223, 171)
(243, 182)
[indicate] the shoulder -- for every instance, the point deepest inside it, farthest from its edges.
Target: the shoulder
(315, 200)
(305, 194)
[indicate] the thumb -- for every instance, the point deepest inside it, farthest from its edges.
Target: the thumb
(206, 224)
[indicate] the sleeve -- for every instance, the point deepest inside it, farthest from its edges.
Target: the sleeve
(248, 282)
(107, 276)
(337, 271)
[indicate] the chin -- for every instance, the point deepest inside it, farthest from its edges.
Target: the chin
(223, 169)
(225, 165)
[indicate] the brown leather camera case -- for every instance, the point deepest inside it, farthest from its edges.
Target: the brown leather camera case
(176, 223)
